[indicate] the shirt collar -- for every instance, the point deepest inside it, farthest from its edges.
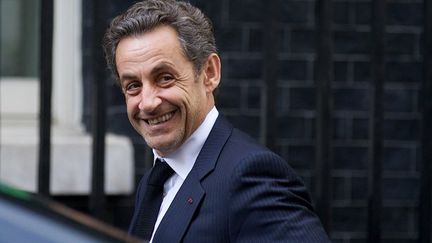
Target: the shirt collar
(183, 159)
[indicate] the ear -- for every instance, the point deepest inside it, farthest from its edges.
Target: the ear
(212, 72)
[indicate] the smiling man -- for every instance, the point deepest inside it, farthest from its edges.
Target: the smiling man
(210, 182)
(166, 99)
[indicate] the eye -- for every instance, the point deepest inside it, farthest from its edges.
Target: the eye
(132, 87)
(165, 79)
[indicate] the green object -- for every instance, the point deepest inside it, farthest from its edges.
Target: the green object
(11, 191)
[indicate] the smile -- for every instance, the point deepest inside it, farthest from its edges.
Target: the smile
(161, 119)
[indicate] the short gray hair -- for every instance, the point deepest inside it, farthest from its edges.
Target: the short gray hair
(194, 29)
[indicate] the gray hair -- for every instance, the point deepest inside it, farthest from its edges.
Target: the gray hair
(194, 29)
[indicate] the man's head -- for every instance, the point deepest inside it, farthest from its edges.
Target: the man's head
(194, 29)
(168, 92)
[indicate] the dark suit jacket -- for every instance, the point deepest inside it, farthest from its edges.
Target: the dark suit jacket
(238, 191)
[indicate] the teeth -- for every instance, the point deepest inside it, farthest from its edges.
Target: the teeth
(161, 119)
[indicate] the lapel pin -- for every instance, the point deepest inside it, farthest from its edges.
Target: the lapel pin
(190, 200)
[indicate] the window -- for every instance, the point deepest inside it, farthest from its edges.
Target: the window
(19, 83)
(19, 27)
(19, 54)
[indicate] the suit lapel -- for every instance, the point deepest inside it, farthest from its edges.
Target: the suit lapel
(209, 154)
(179, 215)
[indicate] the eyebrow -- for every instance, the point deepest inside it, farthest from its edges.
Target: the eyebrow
(127, 76)
(162, 67)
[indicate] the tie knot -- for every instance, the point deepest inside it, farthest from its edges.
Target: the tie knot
(160, 172)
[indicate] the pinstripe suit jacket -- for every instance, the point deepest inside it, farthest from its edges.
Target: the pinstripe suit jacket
(238, 191)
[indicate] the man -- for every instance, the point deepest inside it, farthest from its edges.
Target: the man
(224, 186)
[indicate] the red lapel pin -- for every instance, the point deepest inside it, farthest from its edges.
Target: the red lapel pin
(190, 200)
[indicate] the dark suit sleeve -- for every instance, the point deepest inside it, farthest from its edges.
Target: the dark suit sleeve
(269, 203)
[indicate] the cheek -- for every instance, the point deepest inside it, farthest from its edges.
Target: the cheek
(131, 105)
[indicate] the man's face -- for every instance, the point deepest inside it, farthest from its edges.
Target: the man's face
(166, 100)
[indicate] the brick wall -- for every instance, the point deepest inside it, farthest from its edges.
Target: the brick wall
(239, 33)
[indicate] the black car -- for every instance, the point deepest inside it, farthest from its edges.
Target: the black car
(27, 217)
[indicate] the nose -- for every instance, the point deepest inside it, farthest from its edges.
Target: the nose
(150, 99)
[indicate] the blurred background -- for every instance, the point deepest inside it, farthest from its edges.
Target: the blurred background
(341, 89)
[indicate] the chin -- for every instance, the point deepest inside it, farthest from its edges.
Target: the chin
(164, 148)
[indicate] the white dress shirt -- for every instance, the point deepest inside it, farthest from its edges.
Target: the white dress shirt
(182, 161)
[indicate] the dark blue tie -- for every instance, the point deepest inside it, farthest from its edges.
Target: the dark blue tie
(149, 208)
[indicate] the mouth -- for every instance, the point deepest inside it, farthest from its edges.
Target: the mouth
(160, 119)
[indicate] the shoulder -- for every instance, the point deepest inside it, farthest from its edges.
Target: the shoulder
(248, 160)
(259, 167)
(268, 200)
(247, 152)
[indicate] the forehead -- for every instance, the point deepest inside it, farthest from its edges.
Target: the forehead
(160, 43)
